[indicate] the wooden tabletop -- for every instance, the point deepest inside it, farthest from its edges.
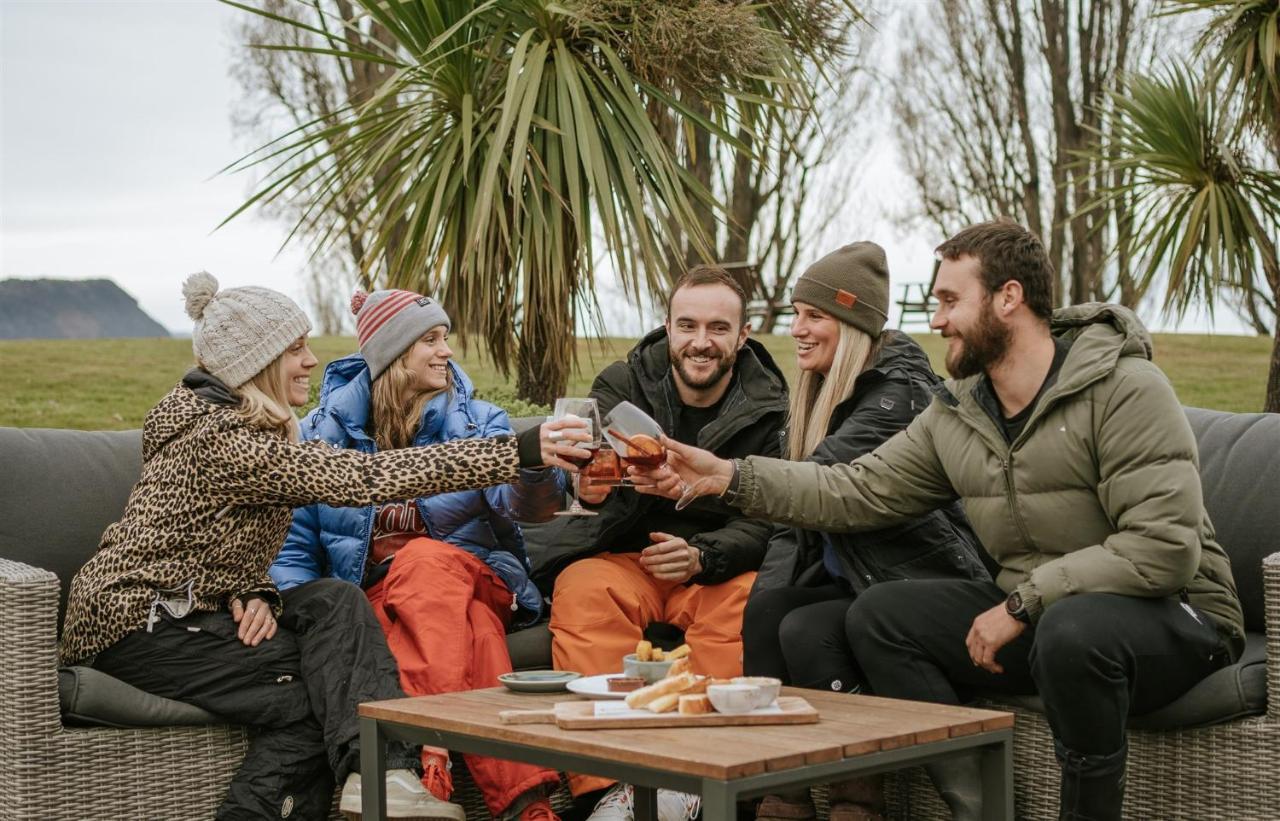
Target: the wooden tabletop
(850, 725)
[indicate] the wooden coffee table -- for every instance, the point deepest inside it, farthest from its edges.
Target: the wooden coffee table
(857, 735)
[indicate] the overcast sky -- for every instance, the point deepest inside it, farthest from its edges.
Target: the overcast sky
(114, 123)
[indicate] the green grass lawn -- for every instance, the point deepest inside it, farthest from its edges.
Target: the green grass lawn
(110, 384)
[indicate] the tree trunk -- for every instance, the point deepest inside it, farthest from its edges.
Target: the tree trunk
(1272, 404)
(545, 349)
(699, 163)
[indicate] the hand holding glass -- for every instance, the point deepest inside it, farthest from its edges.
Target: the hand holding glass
(586, 410)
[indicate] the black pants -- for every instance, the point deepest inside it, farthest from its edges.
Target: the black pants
(298, 690)
(1095, 658)
(797, 634)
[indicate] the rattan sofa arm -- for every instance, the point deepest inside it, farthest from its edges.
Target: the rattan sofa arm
(28, 653)
(1271, 605)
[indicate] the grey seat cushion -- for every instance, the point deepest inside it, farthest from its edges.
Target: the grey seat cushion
(59, 489)
(1240, 475)
(90, 696)
(1232, 692)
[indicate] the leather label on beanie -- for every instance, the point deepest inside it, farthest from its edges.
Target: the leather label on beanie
(845, 298)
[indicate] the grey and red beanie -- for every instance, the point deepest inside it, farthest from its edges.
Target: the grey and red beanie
(388, 322)
(851, 284)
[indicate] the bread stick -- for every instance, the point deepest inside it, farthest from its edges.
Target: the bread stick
(672, 684)
(680, 665)
(664, 704)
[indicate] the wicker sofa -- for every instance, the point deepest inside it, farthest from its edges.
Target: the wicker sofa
(77, 744)
(1215, 752)
(61, 759)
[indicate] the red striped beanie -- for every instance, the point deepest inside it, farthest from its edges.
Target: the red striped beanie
(388, 322)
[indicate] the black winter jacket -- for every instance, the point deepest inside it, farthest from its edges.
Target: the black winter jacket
(752, 416)
(939, 544)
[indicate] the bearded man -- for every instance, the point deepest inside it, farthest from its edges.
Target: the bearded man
(641, 561)
(1078, 470)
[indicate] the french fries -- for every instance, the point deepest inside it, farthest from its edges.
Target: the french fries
(645, 651)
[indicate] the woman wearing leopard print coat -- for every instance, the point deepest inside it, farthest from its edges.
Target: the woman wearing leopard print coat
(446, 574)
(178, 602)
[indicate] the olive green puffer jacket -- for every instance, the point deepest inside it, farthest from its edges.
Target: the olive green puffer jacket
(1100, 493)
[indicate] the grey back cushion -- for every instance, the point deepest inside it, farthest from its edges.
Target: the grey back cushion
(1240, 474)
(59, 489)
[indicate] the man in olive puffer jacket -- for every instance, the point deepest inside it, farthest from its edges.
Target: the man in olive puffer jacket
(1078, 471)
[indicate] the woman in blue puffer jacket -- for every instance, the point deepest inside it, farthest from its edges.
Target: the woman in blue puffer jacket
(447, 575)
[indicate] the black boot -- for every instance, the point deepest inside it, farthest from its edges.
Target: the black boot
(959, 782)
(1092, 785)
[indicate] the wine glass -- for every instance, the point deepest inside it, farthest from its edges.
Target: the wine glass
(581, 409)
(635, 436)
(605, 470)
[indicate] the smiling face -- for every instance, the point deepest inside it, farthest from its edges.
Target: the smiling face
(428, 359)
(976, 338)
(704, 333)
(817, 333)
(297, 362)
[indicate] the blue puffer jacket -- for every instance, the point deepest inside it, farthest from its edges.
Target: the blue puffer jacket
(334, 541)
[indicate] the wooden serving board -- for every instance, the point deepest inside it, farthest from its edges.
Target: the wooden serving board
(581, 715)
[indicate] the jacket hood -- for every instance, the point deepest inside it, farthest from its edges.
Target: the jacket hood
(1111, 324)
(755, 370)
(346, 393)
(1100, 334)
(900, 351)
(198, 395)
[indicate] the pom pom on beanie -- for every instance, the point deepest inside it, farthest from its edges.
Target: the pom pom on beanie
(357, 301)
(198, 290)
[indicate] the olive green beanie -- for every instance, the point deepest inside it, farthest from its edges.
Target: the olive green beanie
(851, 284)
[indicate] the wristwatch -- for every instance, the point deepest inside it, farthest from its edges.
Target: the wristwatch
(1014, 607)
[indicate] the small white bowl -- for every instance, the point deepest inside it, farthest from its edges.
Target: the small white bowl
(768, 687)
(733, 699)
(650, 671)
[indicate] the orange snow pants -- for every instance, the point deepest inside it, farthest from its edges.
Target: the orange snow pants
(444, 612)
(602, 604)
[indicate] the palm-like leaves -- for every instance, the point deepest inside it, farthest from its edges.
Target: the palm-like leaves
(1203, 216)
(1201, 213)
(1243, 43)
(508, 130)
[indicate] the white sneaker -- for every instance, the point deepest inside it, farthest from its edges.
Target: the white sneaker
(678, 806)
(619, 805)
(406, 798)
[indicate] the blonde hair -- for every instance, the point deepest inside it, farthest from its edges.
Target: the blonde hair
(815, 397)
(398, 404)
(264, 400)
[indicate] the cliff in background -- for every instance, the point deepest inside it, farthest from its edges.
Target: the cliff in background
(71, 309)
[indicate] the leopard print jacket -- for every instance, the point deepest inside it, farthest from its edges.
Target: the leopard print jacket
(213, 506)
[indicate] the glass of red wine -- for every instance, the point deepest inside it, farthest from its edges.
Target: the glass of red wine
(580, 409)
(635, 436)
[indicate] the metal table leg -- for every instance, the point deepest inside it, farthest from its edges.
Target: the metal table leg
(373, 771)
(646, 806)
(719, 801)
(996, 763)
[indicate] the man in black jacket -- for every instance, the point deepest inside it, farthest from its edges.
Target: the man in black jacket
(641, 561)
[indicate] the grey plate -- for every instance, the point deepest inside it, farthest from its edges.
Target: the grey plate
(538, 681)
